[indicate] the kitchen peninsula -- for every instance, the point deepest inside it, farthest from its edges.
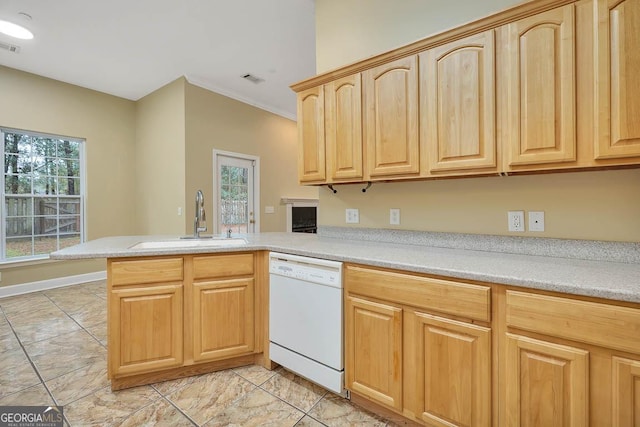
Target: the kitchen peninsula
(462, 304)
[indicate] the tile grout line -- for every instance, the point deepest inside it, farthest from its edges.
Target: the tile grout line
(33, 366)
(259, 387)
(71, 317)
(306, 413)
(177, 408)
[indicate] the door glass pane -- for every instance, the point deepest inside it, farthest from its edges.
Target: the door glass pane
(234, 195)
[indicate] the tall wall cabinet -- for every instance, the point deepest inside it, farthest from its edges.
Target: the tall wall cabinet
(543, 86)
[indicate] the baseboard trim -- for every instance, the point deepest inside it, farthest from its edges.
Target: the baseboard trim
(25, 288)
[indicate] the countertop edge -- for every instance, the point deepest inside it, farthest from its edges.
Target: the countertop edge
(526, 271)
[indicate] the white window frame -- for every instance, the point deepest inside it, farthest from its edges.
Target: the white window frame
(81, 195)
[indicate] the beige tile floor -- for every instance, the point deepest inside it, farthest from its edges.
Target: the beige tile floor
(53, 351)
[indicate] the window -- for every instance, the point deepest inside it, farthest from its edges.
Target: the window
(42, 197)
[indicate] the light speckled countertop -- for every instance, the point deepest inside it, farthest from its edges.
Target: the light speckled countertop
(611, 280)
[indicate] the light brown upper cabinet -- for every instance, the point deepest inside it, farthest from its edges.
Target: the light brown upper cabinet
(543, 86)
(617, 78)
(311, 143)
(343, 127)
(457, 105)
(540, 84)
(391, 119)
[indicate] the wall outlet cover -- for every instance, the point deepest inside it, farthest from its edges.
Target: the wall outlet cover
(394, 216)
(516, 220)
(352, 216)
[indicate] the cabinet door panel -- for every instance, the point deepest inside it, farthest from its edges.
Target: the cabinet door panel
(617, 79)
(374, 350)
(457, 91)
(546, 383)
(452, 371)
(311, 143)
(145, 329)
(343, 99)
(227, 303)
(541, 85)
(626, 392)
(391, 118)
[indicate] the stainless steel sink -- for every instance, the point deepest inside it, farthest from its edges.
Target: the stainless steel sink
(190, 243)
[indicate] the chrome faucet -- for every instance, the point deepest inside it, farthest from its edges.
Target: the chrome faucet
(199, 223)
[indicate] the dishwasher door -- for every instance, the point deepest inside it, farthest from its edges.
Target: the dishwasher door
(305, 318)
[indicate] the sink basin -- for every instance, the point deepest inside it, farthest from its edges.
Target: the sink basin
(190, 243)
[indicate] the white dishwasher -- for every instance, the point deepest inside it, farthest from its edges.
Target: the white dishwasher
(305, 318)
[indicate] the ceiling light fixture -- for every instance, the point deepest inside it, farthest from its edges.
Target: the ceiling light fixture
(15, 30)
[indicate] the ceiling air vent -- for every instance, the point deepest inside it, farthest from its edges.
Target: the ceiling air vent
(252, 78)
(10, 47)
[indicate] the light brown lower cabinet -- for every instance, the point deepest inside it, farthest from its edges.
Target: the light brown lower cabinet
(448, 370)
(374, 350)
(440, 352)
(570, 362)
(173, 314)
(414, 360)
(547, 383)
(222, 318)
(145, 328)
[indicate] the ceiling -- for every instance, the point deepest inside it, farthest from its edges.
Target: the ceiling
(130, 48)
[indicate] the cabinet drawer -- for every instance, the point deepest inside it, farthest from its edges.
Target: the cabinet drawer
(145, 271)
(589, 322)
(443, 296)
(222, 265)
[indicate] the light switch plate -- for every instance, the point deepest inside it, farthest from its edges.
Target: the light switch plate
(269, 209)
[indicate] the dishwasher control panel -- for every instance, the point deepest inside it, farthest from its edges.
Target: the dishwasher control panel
(314, 270)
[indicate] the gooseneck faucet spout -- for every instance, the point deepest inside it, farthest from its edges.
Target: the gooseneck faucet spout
(199, 223)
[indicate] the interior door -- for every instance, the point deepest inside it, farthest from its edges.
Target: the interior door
(236, 193)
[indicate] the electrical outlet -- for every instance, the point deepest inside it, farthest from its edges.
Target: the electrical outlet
(394, 216)
(536, 221)
(516, 220)
(179, 211)
(353, 216)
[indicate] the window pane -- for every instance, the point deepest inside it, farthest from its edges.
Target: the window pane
(69, 206)
(44, 185)
(69, 224)
(45, 166)
(16, 143)
(10, 163)
(68, 167)
(69, 149)
(45, 206)
(17, 206)
(45, 244)
(17, 184)
(19, 247)
(45, 225)
(69, 240)
(44, 147)
(19, 226)
(69, 186)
